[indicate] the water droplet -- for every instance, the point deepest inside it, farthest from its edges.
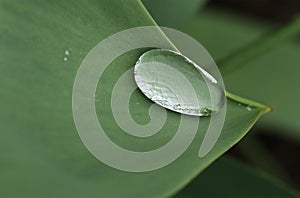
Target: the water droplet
(249, 108)
(68, 52)
(177, 83)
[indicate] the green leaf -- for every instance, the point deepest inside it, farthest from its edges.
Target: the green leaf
(227, 178)
(171, 13)
(42, 44)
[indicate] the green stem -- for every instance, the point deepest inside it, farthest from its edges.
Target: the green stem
(259, 47)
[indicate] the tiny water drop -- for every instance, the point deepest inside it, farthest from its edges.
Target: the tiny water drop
(249, 108)
(68, 52)
(177, 83)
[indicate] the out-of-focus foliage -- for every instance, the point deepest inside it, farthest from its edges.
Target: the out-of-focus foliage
(227, 178)
(170, 13)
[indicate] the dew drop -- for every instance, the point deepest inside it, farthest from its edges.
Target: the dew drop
(177, 83)
(68, 52)
(249, 108)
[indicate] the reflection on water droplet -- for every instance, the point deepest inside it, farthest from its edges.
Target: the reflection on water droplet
(177, 83)
(177, 107)
(249, 108)
(65, 59)
(206, 111)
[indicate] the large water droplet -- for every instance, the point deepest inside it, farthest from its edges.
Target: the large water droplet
(177, 83)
